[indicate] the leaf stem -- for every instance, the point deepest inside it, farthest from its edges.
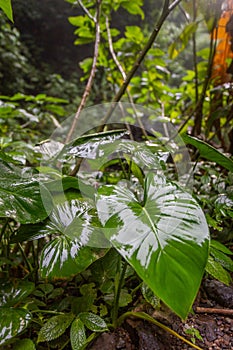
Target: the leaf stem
(117, 295)
(144, 316)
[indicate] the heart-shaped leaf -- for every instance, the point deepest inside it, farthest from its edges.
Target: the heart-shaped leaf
(21, 195)
(12, 322)
(165, 238)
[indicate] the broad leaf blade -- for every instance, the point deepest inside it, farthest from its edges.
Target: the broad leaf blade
(11, 294)
(21, 196)
(79, 243)
(5, 5)
(12, 322)
(166, 239)
(209, 152)
(55, 327)
(64, 257)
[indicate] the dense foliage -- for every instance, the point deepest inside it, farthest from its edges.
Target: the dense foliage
(106, 206)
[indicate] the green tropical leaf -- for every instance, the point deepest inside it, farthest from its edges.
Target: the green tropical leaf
(133, 7)
(181, 42)
(87, 146)
(219, 246)
(93, 322)
(149, 296)
(215, 269)
(222, 258)
(55, 327)
(209, 152)
(12, 322)
(77, 335)
(21, 195)
(13, 293)
(165, 238)
(5, 5)
(79, 243)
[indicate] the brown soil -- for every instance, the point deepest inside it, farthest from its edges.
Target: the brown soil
(216, 329)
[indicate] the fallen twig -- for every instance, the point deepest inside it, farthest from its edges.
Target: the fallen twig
(209, 310)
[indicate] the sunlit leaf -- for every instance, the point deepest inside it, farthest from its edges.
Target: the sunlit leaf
(5, 5)
(181, 42)
(165, 238)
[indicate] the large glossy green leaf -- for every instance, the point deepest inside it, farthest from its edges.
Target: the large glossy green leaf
(63, 257)
(87, 146)
(209, 152)
(12, 322)
(77, 335)
(5, 5)
(20, 195)
(79, 243)
(165, 238)
(55, 327)
(13, 293)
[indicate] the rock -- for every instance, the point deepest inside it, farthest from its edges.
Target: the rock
(219, 292)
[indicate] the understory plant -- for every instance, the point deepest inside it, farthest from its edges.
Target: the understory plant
(90, 221)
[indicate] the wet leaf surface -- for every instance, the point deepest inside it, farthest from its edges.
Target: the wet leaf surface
(165, 239)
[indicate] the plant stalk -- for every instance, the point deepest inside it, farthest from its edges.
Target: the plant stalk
(146, 317)
(117, 295)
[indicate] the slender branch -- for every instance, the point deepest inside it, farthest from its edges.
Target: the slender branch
(86, 11)
(166, 11)
(91, 76)
(214, 311)
(111, 49)
(124, 76)
(199, 104)
(195, 52)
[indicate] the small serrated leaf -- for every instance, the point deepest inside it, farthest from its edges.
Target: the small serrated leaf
(150, 296)
(222, 258)
(77, 334)
(55, 327)
(93, 322)
(216, 270)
